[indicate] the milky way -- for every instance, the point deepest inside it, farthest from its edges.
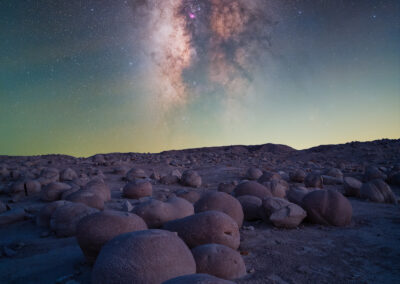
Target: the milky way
(221, 41)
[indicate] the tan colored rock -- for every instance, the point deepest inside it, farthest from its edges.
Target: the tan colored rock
(53, 191)
(253, 173)
(205, 228)
(191, 178)
(377, 191)
(68, 175)
(313, 180)
(252, 188)
(250, 205)
(90, 198)
(43, 218)
(151, 256)
(219, 260)
(95, 230)
(138, 189)
(352, 186)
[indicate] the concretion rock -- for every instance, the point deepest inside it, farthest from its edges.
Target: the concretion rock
(68, 175)
(191, 196)
(296, 195)
(99, 187)
(269, 176)
(219, 260)
(372, 172)
(25, 188)
(49, 175)
(65, 218)
(282, 213)
(93, 231)
(12, 216)
(135, 173)
(329, 180)
(138, 189)
(352, 186)
(252, 188)
(172, 178)
(277, 188)
(334, 172)
(151, 256)
(43, 218)
(205, 228)
(87, 197)
(221, 201)
(327, 207)
(250, 205)
(191, 178)
(155, 213)
(377, 191)
(297, 176)
(197, 279)
(227, 187)
(313, 180)
(53, 191)
(253, 174)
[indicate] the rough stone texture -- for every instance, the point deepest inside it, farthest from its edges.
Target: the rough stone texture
(377, 191)
(221, 201)
(334, 172)
(352, 186)
(252, 188)
(327, 207)
(43, 218)
(227, 187)
(151, 256)
(173, 177)
(206, 227)
(372, 172)
(253, 173)
(282, 213)
(90, 198)
(297, 176)
(138, 189)
(65, 218)
(135, 173)
(189, 195)
(296, 195)
(93, 231)
(278, 188)
(313, 180)
(269, 176)
(197, 279)
(68, 175)
(250, 205)
(53, 191)
(219, 260)
(100, 187)
(156, 213)
(191, 178)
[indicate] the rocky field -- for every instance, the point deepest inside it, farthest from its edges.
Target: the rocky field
(234, 214)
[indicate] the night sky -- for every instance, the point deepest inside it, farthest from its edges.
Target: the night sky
(97, 76)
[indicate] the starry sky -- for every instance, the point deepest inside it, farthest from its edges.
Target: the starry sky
(81, 77)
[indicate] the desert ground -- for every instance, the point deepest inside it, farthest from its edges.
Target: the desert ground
(328, 214)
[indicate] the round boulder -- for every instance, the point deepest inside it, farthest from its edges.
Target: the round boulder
(93, 231)
(205, 228)
(197, 279)
(372, 172)
(155, 212)
(352, 186)
(134, 174)
(377, 191)
(43, 218)
(253, 173)
(191, 178)
(252, 188)
(53, 191)
(219, 260)
(138, 189)
(65, 218)
(250, 205)
(227, 187)
(313, 180)
(297, 176)
(221, 201)
(100, 187)
(327, 207)
(68, 175)
(151, 256)
(87, 197)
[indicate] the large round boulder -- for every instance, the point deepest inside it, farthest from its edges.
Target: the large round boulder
(65, 218)
(100, 187)
(327, 207)
(93, 231)
(150, 256)
(282, 213)
(138, 189)
(278, 188)
(269, 176)
(68, 175)
(221, 201)
(43, 218)
(53, 191)
(227, 187)
(297, 176)
(200, 278)
(155, 212)
(191, 178)
(90, 198)
(219, 260)
(377, 191)
(250, 205)
(253, 173)
(205, 228)
(352, 186)
(313, 180)
(190, 195)
(372, 172)
(296, 195)
(252, 188)
(135, 173)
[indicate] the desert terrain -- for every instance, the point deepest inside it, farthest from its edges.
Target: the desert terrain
(328, 214)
